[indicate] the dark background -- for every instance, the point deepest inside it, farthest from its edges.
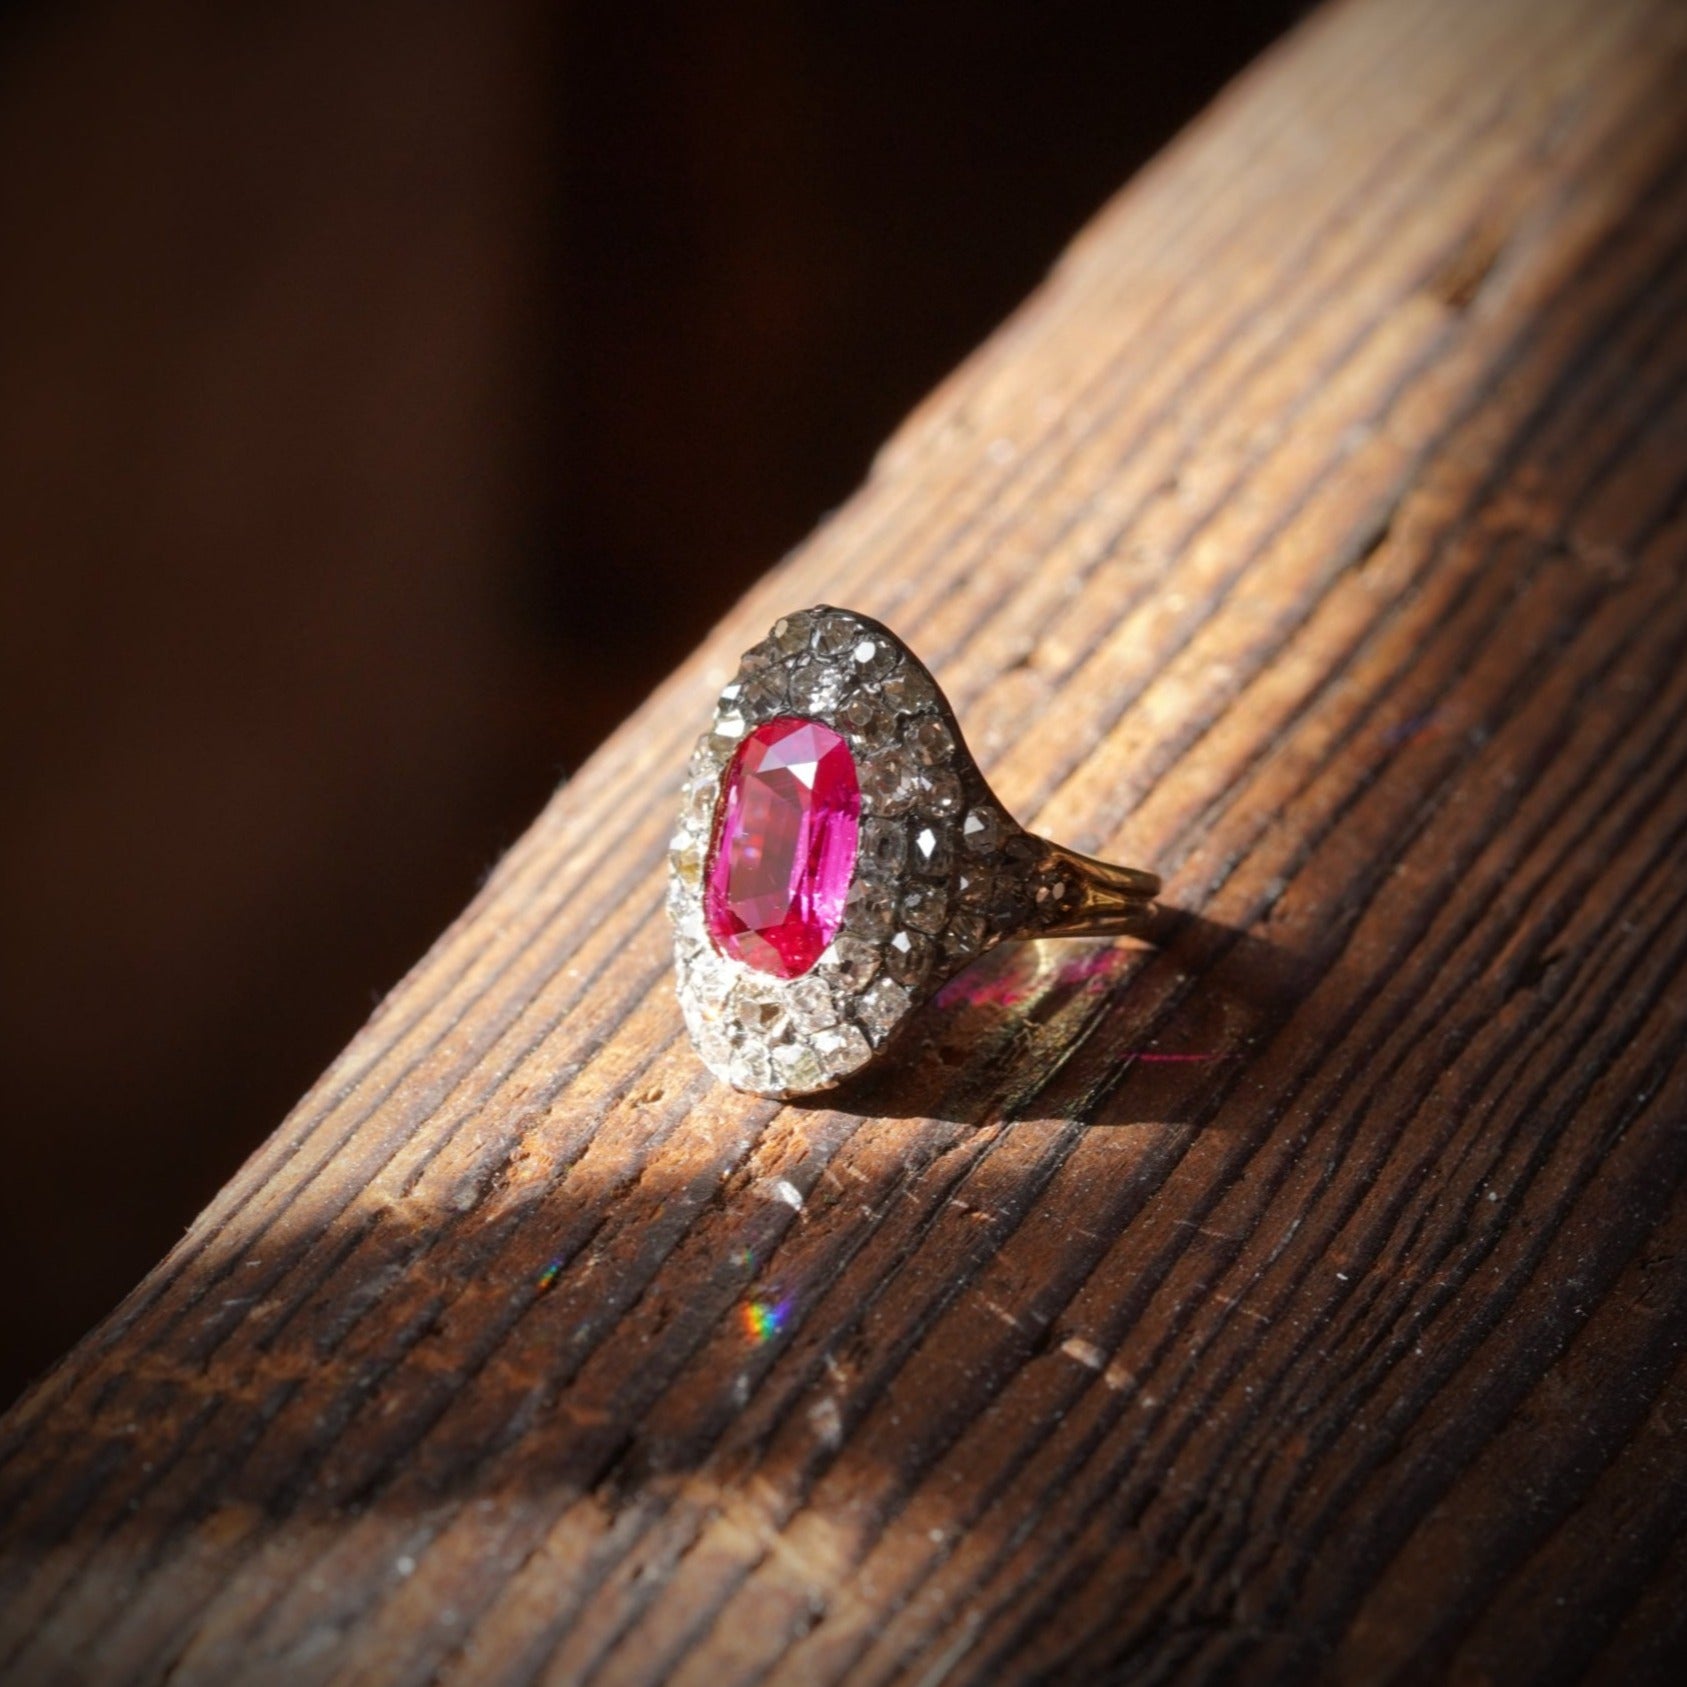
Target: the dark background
(389, 394)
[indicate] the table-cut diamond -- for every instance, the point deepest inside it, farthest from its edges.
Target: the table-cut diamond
(884, 848)
(981, 831)
(852, 960)
(842, 1049)
(792, 633)
(930, 851)
(815, 686)
(908, 957)
(811, 1006)
(881, 1007)
(867, 719)
(886, 787)
(798, 1067)
(965, 935)
(750, 1069)
(924, 907)
(929, 742)
(941, 794)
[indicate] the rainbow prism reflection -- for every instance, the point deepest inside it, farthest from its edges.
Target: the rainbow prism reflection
(764, 1320)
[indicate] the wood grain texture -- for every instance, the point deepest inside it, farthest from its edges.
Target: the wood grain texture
(1303, 1297)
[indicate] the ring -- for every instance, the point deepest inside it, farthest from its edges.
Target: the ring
(839, 857)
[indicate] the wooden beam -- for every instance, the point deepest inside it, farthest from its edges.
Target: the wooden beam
(1306, 1293)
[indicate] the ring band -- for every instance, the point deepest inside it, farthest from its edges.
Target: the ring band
(839, 857)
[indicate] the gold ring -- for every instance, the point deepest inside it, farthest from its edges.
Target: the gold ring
(839, 857)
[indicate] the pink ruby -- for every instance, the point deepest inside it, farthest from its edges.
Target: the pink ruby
(784, 847)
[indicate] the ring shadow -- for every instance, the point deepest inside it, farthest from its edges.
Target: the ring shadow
(1088, 1031)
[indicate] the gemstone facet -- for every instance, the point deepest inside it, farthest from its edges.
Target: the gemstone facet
(784, 846)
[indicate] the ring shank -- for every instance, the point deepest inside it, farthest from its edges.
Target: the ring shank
(1109, 900)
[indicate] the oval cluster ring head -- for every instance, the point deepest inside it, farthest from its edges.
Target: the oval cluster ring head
(838, 857)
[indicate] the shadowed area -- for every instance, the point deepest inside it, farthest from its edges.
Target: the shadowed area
(389, 395)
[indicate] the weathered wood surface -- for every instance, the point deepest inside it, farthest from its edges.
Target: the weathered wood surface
(1316, 536)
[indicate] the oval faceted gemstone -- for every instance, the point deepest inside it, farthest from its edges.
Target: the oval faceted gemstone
(784, 847)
